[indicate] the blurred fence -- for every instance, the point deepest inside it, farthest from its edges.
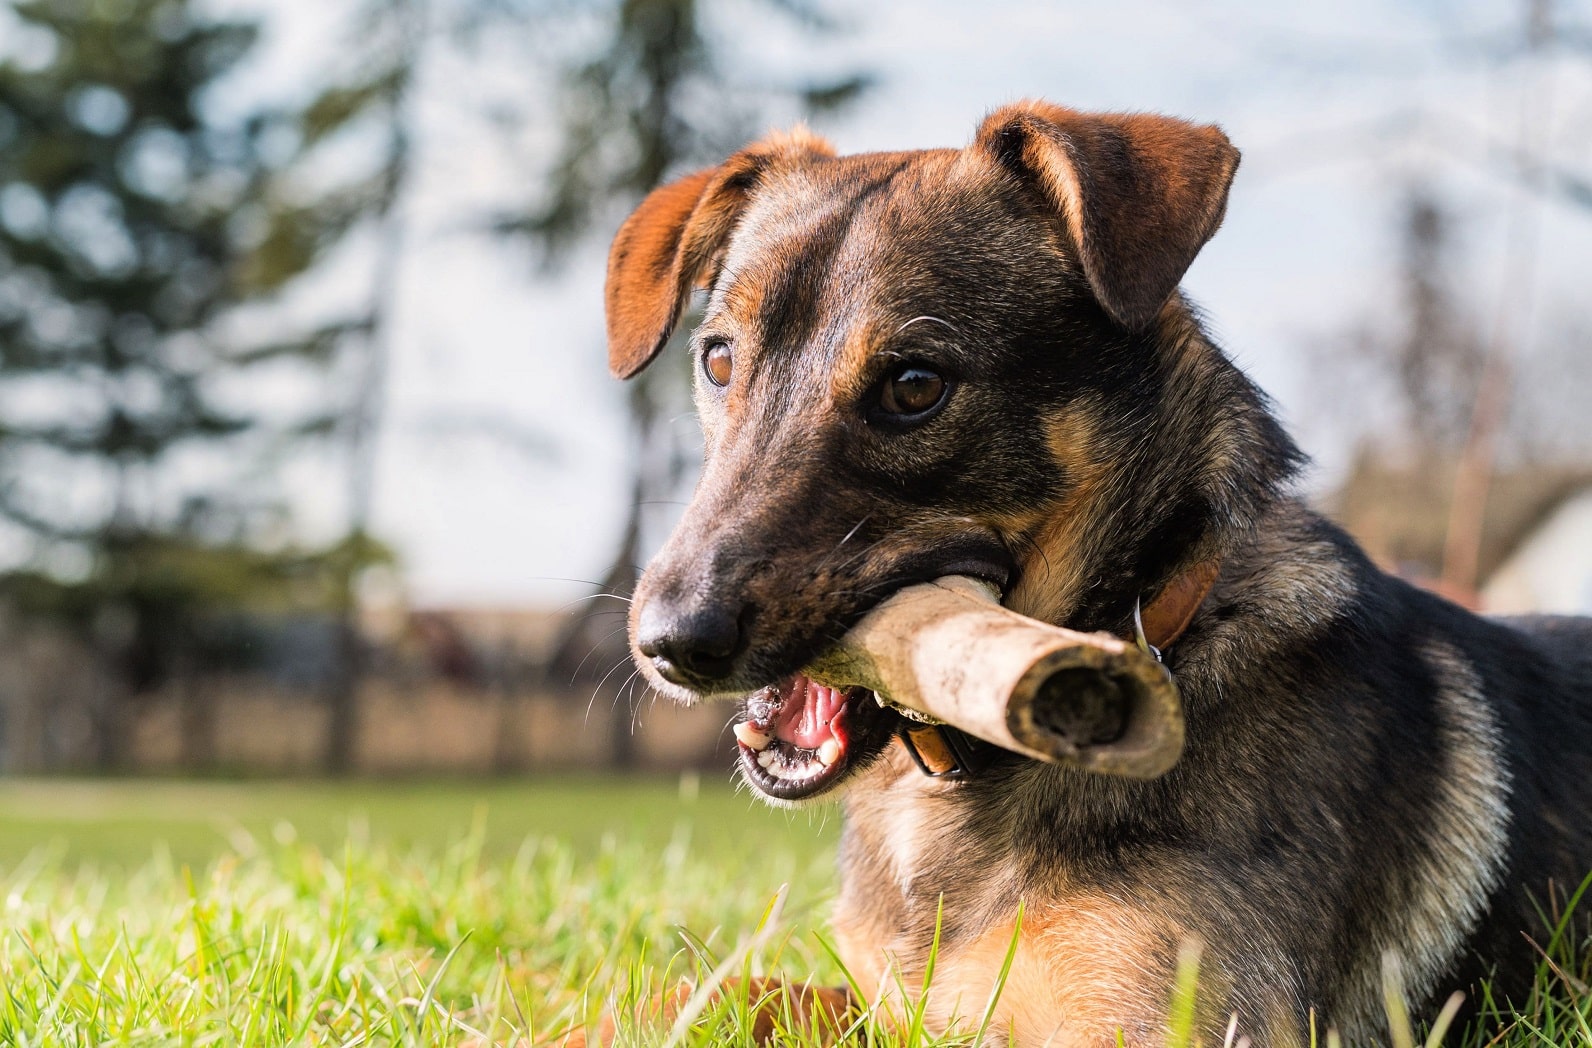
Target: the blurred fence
(445, 693)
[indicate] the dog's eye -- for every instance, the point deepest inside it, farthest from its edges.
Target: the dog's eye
(718, 362)
(911, 390)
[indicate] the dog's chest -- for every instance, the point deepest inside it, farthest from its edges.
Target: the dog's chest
(931, 870)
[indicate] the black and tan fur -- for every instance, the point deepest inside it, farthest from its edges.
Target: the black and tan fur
(1368, 768)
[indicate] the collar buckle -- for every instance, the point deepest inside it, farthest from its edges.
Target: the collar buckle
(939, 750)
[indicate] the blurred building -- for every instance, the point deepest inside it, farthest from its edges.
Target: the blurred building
(1536, 539)
(1550, 569)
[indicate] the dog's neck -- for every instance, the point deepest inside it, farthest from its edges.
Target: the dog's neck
(1179, 480)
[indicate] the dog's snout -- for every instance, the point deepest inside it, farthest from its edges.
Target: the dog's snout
(693, 644)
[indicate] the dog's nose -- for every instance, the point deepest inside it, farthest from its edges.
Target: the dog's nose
(690, 644)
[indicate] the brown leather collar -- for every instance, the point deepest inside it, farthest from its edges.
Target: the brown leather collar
(944, 752)
(1168, 615)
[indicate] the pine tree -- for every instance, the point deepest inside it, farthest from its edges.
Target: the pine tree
(131, 226)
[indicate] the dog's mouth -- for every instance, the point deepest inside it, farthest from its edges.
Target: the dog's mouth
(798, 737)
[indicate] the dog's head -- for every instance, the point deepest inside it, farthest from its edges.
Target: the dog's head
(921, 364)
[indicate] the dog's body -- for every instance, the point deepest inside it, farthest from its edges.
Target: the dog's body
(1368, 768)
(976, 362)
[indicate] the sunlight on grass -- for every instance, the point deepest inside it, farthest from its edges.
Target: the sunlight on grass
(457, 934)
(289, 944)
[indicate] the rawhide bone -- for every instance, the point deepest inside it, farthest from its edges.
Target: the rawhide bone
(948, 651)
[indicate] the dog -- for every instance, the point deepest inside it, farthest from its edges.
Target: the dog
(978, 362)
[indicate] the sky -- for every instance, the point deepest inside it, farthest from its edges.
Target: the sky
(1335, 107)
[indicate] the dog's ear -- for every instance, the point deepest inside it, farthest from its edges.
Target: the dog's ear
(1139, 195)
(676, 234)
(649, 274)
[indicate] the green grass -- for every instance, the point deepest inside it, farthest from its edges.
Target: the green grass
(120, 823)
(421, 914)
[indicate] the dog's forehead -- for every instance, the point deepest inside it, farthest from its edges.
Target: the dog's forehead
(869, 203)
(865, 241)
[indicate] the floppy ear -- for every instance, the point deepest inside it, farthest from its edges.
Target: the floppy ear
(676, 234)
(1139, 194)
(647, 277)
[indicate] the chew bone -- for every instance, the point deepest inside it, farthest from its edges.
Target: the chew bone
(948, 651)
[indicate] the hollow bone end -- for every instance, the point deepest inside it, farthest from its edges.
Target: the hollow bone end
(1115, 717)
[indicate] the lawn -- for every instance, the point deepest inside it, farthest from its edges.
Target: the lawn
(427, 913)
(123, 823)
(380, 913)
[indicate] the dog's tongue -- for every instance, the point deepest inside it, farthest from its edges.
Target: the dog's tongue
(806, 717)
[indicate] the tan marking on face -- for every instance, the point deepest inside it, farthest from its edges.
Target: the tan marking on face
(1053, 560)
(743, 300)
(853, 367)
(775, 235)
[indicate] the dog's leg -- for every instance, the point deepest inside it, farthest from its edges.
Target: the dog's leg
(777, 1005)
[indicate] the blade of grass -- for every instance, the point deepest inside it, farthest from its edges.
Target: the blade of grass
(1000, 980)
(1445, 1019)
(1393, 1001)
(436, 978)
(1180, 1025)
(920, 1008)
(703, 996)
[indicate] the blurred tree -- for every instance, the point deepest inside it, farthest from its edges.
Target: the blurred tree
(654, 97)
(1433, 360)
(1496, 386)
(1475, 378)
(1439, 359)
(1429, 360)
(370, 96)
(131, 227)
(1436, 355)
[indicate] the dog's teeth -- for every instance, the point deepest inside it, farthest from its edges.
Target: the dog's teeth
(793, 767)
(751, 738)
(829, 752)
